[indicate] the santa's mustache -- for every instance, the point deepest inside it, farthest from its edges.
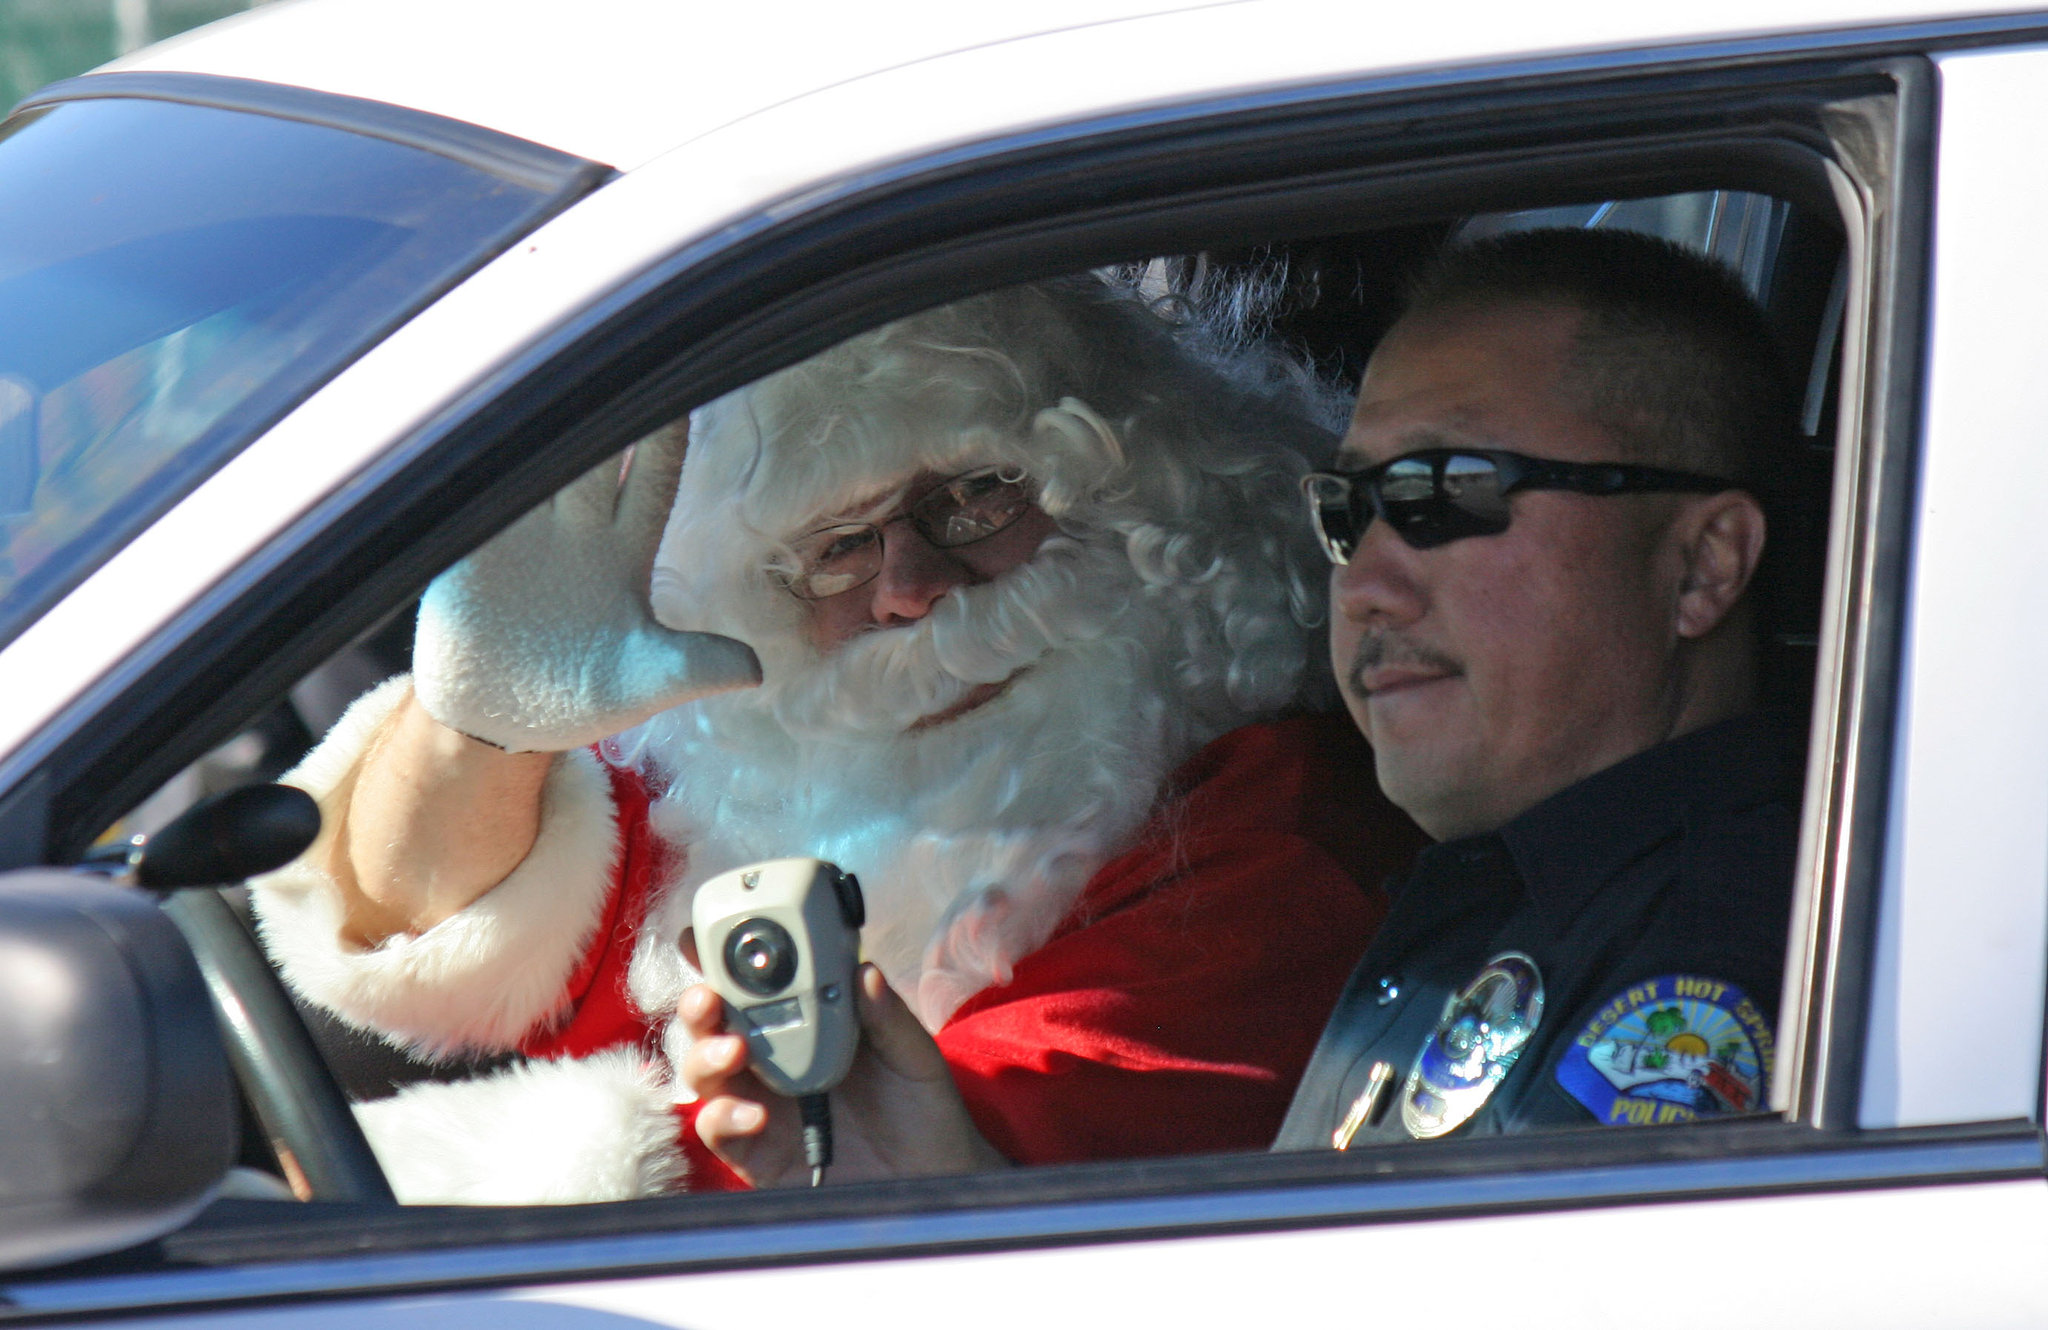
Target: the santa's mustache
(1380, 649)
(884, 681)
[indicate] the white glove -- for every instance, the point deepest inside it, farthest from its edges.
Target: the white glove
(542, 641)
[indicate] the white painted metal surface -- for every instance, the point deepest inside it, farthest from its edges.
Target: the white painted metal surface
(1963, 940)
(1961, 1257)
(619, 81)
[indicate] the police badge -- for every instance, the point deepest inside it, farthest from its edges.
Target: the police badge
(1475, 1044)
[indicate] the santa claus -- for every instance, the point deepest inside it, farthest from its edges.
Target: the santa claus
(1006, 607)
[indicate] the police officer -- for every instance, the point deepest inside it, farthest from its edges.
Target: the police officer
(1545, 532)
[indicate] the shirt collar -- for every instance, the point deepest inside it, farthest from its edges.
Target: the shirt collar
(1564, 848)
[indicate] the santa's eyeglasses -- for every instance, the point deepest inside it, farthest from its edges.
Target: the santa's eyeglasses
(968, 507)
(1439, 495)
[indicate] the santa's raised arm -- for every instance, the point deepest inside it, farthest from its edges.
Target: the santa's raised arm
(1030, 605)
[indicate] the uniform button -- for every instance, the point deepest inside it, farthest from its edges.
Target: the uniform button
(1390, 988)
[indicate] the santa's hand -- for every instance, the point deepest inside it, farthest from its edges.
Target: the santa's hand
(541, 641)
(896, 1115)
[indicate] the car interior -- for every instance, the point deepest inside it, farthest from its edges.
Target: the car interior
(1330, 250)
(1326, 299)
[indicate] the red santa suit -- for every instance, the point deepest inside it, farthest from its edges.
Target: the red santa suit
(1173, 1009)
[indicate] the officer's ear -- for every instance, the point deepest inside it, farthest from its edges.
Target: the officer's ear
(1720, 539)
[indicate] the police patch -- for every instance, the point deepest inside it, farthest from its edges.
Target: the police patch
(1676, 1048)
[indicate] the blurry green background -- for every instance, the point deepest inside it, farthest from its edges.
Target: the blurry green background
(42, 41)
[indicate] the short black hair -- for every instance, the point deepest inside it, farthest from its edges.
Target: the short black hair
(1674, 356)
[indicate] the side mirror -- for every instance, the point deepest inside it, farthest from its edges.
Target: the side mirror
(218, 841)
(118, 1117)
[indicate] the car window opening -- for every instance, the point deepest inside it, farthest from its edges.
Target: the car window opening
(1697, 1047)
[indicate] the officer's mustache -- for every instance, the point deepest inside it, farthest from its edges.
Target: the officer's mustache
(1377, 650)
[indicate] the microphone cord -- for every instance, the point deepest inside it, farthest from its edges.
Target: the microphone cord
(816, 1110)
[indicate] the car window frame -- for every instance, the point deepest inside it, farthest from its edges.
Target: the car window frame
(684, 335)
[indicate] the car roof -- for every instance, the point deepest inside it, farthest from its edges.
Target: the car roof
(615, 81)
(622, 81)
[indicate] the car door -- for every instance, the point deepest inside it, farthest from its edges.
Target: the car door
(1904, 1160)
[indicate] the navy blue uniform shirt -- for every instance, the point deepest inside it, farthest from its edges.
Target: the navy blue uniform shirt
(1653, 897)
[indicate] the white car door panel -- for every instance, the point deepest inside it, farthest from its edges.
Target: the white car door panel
(1894, 1260)
(1963, 921)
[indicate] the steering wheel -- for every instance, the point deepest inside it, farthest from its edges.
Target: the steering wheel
(221, 841)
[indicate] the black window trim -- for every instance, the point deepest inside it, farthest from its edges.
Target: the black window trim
(1888, 152)
(483, 461)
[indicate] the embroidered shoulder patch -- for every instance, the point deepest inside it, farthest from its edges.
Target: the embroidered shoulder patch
(1675, 1048)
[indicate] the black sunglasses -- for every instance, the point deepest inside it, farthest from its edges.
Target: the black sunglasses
(1439, 495)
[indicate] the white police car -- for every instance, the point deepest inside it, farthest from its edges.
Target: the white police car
(303, 306)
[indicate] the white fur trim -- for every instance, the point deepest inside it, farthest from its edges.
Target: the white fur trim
(480, 980)
(543, 1133)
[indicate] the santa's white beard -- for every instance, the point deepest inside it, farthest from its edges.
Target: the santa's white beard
(973, 837)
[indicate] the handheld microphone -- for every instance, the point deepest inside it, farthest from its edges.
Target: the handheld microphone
(780, 942)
